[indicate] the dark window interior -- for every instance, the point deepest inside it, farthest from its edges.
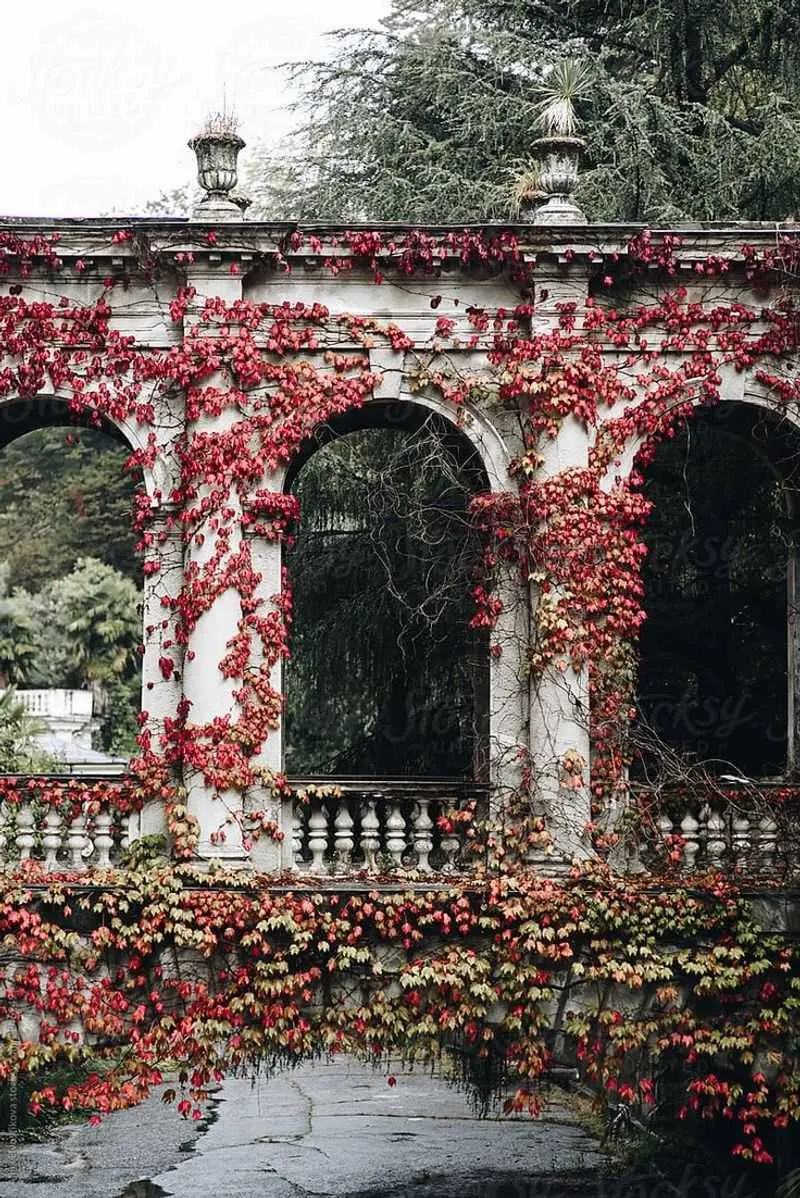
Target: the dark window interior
(386, 677)
(714, 677)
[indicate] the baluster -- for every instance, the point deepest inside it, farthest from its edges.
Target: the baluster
(665, 825)
(77, 841)
(767, 840)
(51, 839)
(318, 836)
(690, 828)
(25, 838)
(702, 833)
(716, 839)
(130, 824)
(740, 839)
(343, 842)
(103, 839)
(666, 830)
(5, 855)
(370, 833)
(450, 846)
(396, 835)
(298, 834)
(422, 831)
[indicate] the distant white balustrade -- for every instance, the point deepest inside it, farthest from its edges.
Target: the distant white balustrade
(57, 704)
(65, 728)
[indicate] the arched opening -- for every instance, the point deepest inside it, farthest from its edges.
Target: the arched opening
(717, 670)
(70, 598)
(386, 677)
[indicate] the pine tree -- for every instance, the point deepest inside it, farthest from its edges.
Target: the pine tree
(693, 112)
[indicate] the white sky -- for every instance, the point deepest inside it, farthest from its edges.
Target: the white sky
(98, 98)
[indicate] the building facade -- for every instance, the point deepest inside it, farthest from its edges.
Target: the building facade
(495, 331)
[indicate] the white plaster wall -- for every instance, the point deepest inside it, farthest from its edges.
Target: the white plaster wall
(405, 302)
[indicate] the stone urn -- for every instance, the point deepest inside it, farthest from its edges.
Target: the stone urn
(560, 157)
(217, 172)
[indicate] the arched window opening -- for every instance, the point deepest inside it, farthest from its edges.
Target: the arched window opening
(386, 677)
(70, 597)
(718, 650)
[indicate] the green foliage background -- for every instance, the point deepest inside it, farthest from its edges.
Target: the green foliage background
(70, 604)
(64, 494)
(693, 112)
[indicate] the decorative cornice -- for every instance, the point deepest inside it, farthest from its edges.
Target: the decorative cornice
(122, 244)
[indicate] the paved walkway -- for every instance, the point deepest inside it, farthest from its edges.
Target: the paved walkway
(327, 1129)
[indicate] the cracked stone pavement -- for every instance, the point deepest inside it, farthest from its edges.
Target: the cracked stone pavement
(325, 1129)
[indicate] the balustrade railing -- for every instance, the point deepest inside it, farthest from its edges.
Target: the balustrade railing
(382, 826)
(331, 828)
(728, 833)
(63, 824)
(386, 826)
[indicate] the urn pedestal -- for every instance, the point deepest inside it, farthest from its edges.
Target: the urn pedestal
(560, 157)
(217, 172)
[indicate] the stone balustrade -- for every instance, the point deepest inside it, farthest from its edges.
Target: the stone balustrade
(330, 828)
(397, 824)
(385, 826)
(728, 834)
(64, 824)
(58, 704)
(59, 841)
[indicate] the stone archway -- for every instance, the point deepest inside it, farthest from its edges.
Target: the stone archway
(162, 558)
(506, 698)
(381, 569)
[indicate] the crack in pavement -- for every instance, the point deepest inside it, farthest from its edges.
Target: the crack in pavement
(301, 1190)
(298, 1136)
(309, 1106)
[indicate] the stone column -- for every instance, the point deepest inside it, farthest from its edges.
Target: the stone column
(210, 695)
(559, 701)
(508, 702)
(162, 663)
(267, 854)
(559, 712)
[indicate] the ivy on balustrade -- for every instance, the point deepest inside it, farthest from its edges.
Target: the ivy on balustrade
(644, 978)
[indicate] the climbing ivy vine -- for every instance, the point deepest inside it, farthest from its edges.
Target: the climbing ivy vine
(171, 970)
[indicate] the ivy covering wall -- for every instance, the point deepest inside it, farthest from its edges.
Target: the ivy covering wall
(167, 968)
